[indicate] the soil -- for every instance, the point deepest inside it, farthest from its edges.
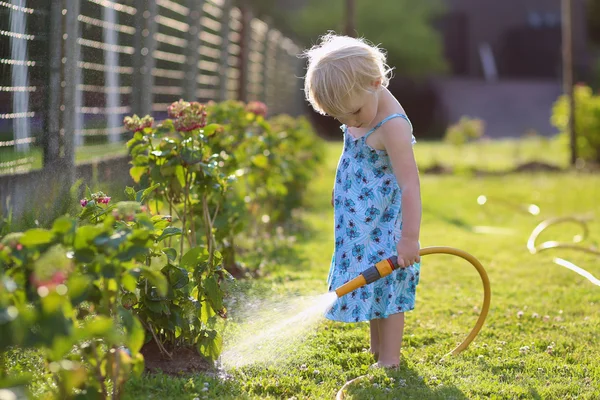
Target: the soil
(185, 360)
(536, 166)
(437, 169)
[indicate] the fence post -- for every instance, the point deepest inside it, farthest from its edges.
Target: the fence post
(137, 58)
(51, 139)
(278, 71)
(191, 73)
(147, 97)
(112, 79)
(70, 114)
(265, 64)
(246, 35)
(300, 71)
(224, 56)
(143, 60)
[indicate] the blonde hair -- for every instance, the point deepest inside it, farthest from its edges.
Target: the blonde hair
(340, 67)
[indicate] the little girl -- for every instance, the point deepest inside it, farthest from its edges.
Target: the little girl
(376, 195)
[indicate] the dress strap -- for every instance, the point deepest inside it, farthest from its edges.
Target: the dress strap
(386, 119)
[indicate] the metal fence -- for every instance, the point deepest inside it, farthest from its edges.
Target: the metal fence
(70, 70)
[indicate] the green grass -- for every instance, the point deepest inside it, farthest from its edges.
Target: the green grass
(494, 155)
(518, 354)
(82, 154)
(509, 359)
(497, 155)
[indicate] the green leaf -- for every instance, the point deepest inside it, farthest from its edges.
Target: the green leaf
(159, 221)
(171, 231)
(86, 234)
(171, 253)
(260, 160)
(85, 255)
(157, 279)
(61, 346)
(143, 194)
(154, 306)
(64, 225)
(210, 345)
(213, 292)
(191, 156)
(135, 331)
(140, 159)
(35, 237)
(129, 300)
(132, 252)
(135, 341)
(206, 312)
(178, 277)
(99, 327)
(79, 288)
(189, 259)
(136, 173)
(180, 174)
(130, 192)
(210, 129)
(129, 282)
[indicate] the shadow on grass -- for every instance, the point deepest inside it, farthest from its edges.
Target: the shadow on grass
(402, 383)
(451, 220)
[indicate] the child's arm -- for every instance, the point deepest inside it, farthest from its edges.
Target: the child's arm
(396, 137)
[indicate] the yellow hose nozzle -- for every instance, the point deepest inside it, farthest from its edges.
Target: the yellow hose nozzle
(370, 275)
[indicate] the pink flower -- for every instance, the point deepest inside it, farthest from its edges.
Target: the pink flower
(99, 198)
(58, 278)
(257, 108)
(136, 124)
(83, 202)
(19, 247)
(188, 116)
(176, 109)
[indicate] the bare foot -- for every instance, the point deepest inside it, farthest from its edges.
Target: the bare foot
(380, 365)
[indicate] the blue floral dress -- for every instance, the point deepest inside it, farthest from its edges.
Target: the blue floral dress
(368, 226)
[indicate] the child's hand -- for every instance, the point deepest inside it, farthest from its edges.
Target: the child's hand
(408, 252)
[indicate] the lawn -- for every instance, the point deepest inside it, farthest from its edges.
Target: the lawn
(497, 155)
(540, 340)
(32, 160)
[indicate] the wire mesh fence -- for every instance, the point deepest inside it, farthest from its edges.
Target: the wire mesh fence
(70, 70)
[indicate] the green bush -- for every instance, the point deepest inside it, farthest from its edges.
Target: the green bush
(89, 293)
(465, 130)
(587, 122)
(65, 292)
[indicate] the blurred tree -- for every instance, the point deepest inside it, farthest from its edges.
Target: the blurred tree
(269, 11)
(402, 27)
(259, 7)
(593, 21)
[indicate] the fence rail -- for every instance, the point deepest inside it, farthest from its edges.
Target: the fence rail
(71, 69)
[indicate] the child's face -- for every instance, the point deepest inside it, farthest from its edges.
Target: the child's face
(363, 110)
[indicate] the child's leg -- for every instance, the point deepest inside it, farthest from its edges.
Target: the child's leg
(374, 324)
(391, 330)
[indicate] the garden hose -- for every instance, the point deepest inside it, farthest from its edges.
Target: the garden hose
(553, 244)
(385, 267)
